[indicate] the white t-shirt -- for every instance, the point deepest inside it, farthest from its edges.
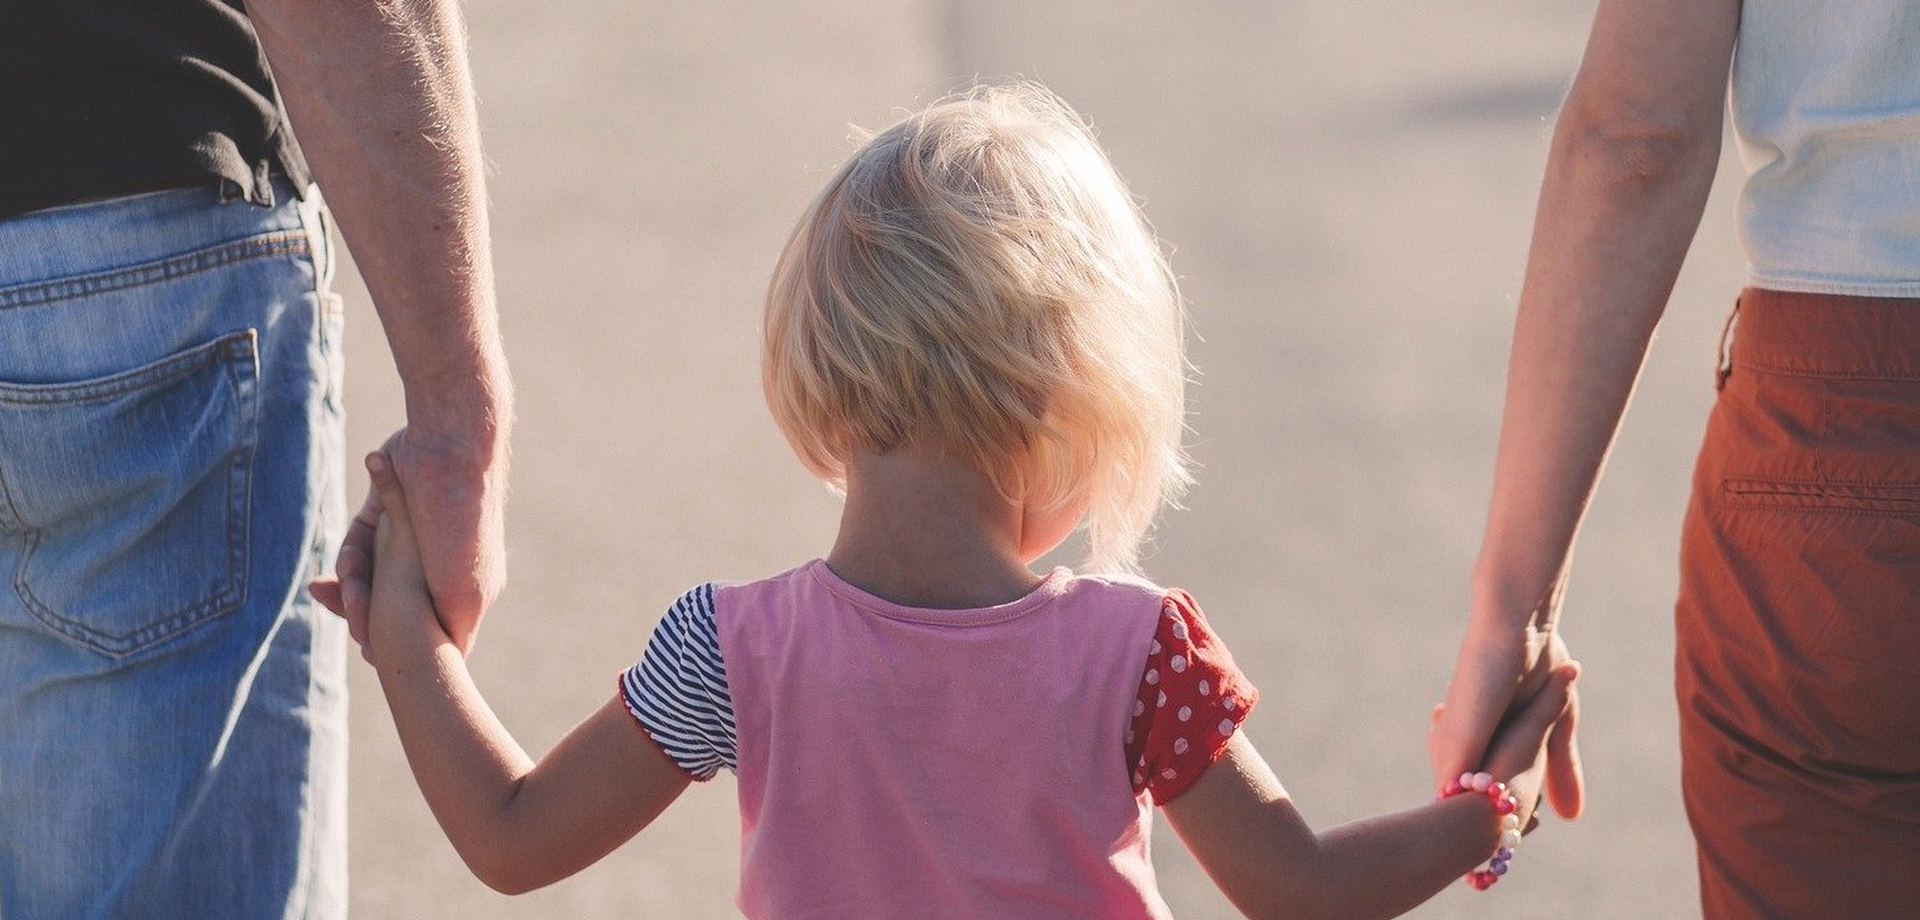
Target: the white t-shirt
(1825, 101)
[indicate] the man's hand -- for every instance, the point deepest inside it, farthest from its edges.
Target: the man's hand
(1495, 678)
(456, 501)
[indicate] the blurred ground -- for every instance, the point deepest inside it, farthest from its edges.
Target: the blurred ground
(1348, 188)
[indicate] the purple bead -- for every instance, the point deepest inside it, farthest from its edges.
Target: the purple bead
(1497, 868)
(1503, 854)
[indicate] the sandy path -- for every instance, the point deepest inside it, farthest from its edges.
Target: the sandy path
(1348, 188)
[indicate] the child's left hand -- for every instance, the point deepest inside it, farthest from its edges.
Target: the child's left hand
(401, 621)
(1518, 754)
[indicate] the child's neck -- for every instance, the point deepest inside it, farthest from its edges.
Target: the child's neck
(923, 530)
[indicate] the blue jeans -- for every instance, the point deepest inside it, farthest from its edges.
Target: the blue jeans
(172, 701)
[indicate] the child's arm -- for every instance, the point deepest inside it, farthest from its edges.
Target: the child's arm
(519, 825)
(1242, 827)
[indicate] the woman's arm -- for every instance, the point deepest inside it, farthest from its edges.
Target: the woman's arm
(1243, 829)
(519, 825)
(1632, 159)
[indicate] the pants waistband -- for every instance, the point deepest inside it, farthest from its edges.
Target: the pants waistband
(1826, 335)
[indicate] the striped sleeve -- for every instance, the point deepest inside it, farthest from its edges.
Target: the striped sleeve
(678, 690)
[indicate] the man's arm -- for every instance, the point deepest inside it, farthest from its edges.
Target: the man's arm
(1633, 157)
(382, 99)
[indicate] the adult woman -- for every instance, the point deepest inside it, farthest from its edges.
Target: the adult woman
(1799, 654)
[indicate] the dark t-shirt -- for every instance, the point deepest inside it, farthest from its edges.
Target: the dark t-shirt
(100, 98)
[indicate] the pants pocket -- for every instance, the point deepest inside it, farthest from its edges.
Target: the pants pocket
(1814, 496)
(130, 494)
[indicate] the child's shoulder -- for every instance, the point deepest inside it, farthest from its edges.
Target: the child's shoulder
(1117, 585)
(1176, 610)
(1119, 592)
(787, 579)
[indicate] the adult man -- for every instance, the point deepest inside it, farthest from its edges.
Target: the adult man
(171, 697)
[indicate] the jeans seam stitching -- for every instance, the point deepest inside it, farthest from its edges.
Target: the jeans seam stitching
(239, 476)
(162, 372)
(240, 516)
(283, 242)
(12, 508)
(134, 642)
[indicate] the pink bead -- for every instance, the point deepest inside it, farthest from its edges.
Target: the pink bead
(1453, 789)
(1503, 806)
(1480, 880)
(1497, 790)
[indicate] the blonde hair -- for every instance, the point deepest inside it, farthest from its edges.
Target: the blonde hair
(978, 276)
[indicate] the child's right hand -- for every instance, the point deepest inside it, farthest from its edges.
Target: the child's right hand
(1518, 754)
(401, 621)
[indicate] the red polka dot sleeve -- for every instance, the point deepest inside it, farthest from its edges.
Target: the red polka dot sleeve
(1191, 701)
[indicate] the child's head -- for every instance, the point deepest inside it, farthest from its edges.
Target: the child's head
(977, 279)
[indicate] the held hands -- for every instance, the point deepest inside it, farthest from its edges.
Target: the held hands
(398, 619)
(458, 502)
(1497, 684)
(1520, 748)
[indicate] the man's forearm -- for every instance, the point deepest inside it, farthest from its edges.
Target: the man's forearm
(380, 94)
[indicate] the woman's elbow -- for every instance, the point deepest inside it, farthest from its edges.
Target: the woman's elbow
(1630, 148)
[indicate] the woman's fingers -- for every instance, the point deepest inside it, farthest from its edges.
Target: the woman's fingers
(1566, 783)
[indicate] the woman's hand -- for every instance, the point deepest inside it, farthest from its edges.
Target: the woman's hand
(1496, 678)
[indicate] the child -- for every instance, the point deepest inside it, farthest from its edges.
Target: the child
(973, 334)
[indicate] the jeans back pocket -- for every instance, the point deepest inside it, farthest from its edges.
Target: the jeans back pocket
(129, 494)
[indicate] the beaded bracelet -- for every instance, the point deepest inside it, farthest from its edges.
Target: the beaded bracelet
(1504, 806)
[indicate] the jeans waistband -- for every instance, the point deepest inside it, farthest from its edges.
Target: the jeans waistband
(1827, 335)
(117, 233)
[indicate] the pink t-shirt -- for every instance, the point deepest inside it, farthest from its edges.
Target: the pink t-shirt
(991, 762)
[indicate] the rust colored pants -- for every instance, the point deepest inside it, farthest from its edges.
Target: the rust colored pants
(1799, 615)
